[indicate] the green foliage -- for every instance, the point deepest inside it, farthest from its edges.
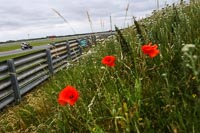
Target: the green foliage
(126, 50)
(150, 95)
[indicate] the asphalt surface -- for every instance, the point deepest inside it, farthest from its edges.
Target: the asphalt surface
(18, 51)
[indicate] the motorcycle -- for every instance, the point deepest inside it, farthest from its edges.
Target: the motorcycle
(26, 46)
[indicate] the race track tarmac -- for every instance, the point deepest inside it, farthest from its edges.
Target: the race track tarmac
(18, 51)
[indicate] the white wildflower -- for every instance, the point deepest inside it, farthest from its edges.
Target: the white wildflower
(164, 75)
(195, 57)
(187, 47)
(103, 67)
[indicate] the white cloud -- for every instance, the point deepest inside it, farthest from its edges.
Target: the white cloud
(35, 18)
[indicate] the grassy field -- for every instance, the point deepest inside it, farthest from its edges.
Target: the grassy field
(17, 45)
(143, 94)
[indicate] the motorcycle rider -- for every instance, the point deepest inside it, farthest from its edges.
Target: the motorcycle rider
(25, 45)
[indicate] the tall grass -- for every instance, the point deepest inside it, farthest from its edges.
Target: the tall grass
(139, 94)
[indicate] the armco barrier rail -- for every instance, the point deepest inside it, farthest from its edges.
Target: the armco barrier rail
(19, 75)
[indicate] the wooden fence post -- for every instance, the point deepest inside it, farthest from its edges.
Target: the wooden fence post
(49, 61)
(14, 81)
(93, 38)
(68, 49)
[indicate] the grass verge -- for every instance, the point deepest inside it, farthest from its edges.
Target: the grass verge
(138, 94)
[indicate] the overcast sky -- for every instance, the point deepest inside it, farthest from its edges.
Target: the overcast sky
(23, 19)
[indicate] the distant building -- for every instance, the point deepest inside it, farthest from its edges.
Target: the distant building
(51, 37)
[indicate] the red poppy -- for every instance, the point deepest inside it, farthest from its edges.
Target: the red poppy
(68, 95)
(109, 61)
(152, 51)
